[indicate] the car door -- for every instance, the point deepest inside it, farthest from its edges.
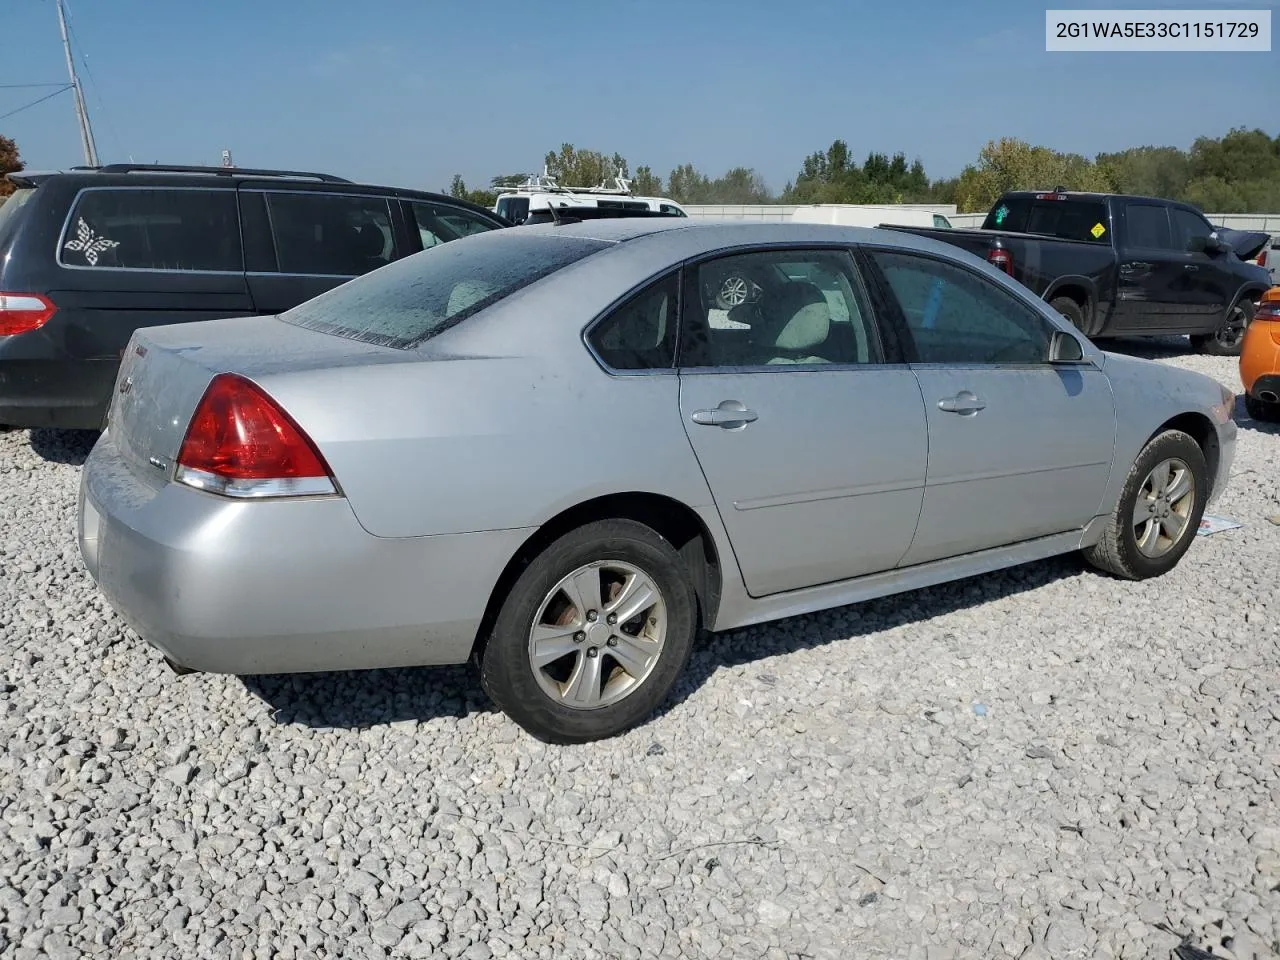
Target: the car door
(306, 242)
(810, 434)
(1018, 448)
(1210, 285)
(1153, 292)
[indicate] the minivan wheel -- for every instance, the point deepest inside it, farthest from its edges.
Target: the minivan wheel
(1228, 339)
(593, 635)
(1159, 510)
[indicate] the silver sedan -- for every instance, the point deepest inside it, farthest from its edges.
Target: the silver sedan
(558, 451)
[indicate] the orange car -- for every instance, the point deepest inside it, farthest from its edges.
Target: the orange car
(1260, 360)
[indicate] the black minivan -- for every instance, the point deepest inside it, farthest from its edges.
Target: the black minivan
(88, 255)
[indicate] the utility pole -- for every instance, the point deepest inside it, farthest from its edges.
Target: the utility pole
(86, 131)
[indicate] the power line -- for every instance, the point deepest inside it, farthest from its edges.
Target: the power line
(25, 86)
(50, 96)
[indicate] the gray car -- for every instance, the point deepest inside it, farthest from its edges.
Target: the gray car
(552, 450)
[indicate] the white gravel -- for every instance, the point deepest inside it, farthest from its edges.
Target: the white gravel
(1043, 763)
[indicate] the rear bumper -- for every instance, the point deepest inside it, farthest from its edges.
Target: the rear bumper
(280, 586)
(65, 394)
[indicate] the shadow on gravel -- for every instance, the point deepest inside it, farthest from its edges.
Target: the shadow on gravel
(739, 647)
(63, 446)
(361, 699)
(1153, 348)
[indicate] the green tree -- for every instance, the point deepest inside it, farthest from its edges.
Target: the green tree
(458, 190)
(645, 183)
(1146, 171)
(1011, 164)
(10, 162)
(687, 185)
(572, 167)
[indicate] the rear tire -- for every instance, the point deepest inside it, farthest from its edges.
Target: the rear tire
(1137, 544)
(1262, 411)
(611, 675)
(1072, 311)
(1228, 339)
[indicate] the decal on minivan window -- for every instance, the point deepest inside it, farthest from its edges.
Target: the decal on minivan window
(89, 243)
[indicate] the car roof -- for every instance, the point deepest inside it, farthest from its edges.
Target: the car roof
(226, 178)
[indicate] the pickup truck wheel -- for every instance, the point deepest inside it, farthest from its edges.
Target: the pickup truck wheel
(1228, 339)
(1159, 510)
(1071, 310)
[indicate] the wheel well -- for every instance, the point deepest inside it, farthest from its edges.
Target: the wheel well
(1072, 292)
(672, 520)
(1200, 429)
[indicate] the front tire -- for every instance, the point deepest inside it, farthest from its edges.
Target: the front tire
(1228, 339)
(593, 635)
(1159, 510)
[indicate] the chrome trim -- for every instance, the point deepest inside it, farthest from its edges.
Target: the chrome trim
(212, 483)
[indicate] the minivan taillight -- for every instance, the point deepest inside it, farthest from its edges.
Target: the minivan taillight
(24, 312)
(1001, 259)
(241, 443)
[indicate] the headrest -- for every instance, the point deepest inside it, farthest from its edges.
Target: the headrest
(795, 317)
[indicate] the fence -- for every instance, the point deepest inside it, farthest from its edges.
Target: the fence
(1267, 222)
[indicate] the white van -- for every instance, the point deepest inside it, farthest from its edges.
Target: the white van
(539, 193)
(868, 215)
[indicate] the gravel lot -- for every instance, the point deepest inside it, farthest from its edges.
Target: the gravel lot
(1044, 763)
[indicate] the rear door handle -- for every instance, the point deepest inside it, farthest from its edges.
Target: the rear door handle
(963, 403)
(729, 414)
(1189, 266)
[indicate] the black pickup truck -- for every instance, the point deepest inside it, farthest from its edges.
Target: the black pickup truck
(1123, 266)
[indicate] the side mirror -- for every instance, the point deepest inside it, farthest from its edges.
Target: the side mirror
(1064, 348)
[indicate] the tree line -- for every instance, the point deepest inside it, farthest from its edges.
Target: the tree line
(1235, 173)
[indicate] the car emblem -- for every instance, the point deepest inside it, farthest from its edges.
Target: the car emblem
(127, 385)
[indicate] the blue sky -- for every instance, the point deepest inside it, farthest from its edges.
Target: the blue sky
(407, 92)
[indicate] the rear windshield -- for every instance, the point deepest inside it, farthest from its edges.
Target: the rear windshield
(1065, 219)
(9, 213)
(514, 209)
(413, 299)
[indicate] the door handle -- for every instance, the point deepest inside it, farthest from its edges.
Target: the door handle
(1189, 266)
(963, 403)
(1134, 266)
(729, 414)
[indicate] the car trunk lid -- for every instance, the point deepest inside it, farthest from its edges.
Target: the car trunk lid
(165, 371)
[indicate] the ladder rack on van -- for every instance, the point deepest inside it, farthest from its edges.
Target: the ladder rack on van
(545, 183)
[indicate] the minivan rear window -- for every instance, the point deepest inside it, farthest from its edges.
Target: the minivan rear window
(1064, 219)
(420, 296)
(514, 209)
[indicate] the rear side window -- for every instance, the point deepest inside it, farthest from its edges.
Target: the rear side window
(1147, 225)
(323, 234)
(1063, 219)
(9, 213)
(422, 295)
(142, 228)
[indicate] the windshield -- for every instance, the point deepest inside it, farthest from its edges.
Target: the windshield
(1068, 219)
(414, 299)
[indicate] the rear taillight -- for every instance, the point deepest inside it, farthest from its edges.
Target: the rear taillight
(1269, 306)
(24, 312)
(241, 443)
(1262, 259)
(1000, 258)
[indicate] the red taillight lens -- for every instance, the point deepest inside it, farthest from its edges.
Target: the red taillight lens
(24, 312)
(1262, 259)
(1001, 259)
(240, 443)
(1269, 307)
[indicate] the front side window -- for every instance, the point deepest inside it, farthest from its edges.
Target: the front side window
(958, 317)
(154, 229)
(422, 295)
(439, 223)
(671, 210)
(777, 308)
(1188, 227)
(328, 235)
(1147, 225)
(640, 334)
